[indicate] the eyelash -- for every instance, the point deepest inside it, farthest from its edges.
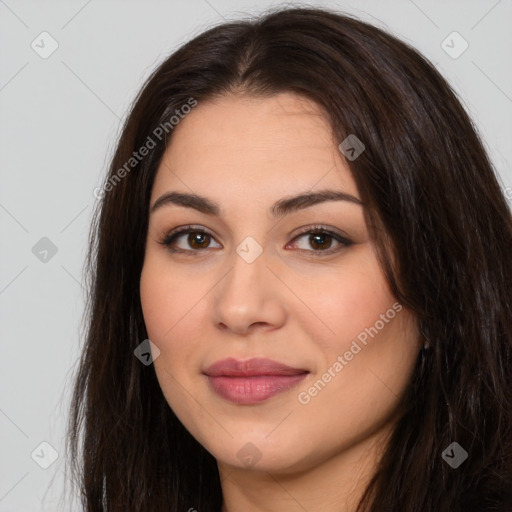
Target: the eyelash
(169, 238)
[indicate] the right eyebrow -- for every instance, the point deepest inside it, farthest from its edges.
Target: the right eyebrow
(200, 203)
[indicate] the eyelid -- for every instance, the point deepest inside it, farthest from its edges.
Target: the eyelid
(340, 236)
(324, 228)
(169, 236)
(188, 227)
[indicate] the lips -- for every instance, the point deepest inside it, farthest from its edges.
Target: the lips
(252, 381)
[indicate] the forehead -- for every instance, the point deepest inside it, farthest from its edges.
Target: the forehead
(261, 147)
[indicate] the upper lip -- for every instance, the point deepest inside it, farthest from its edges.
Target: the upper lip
(231, 367)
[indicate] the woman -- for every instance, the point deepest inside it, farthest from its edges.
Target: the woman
(300, 285)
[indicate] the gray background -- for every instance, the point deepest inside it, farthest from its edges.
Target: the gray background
(60, 117)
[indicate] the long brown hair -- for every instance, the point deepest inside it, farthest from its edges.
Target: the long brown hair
(432, 196)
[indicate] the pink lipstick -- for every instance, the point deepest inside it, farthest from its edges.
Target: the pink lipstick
(252, 381)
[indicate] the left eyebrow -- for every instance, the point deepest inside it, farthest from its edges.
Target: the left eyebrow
(279, 208)
(291, 204)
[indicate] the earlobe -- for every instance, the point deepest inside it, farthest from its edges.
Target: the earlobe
(426, 341)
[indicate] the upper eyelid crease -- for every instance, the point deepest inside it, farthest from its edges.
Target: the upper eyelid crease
(279, 209)
(341, 239)
(316, 228)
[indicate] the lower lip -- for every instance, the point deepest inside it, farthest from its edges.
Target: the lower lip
(252, 390)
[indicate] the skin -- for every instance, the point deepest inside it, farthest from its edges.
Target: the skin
(291, 304)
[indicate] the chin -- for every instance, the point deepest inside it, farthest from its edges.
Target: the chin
(258, 451)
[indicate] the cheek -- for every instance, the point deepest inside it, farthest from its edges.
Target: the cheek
(173, 312)
(168, 309)
(345, 301)
(167, 299)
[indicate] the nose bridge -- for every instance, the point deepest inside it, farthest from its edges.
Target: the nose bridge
(246, 294)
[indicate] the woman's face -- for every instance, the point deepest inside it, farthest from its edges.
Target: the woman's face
(258, 284)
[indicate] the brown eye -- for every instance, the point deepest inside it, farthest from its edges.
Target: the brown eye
(198, 240)
(320, 240)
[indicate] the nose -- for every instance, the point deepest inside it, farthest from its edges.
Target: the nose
(249, 297)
